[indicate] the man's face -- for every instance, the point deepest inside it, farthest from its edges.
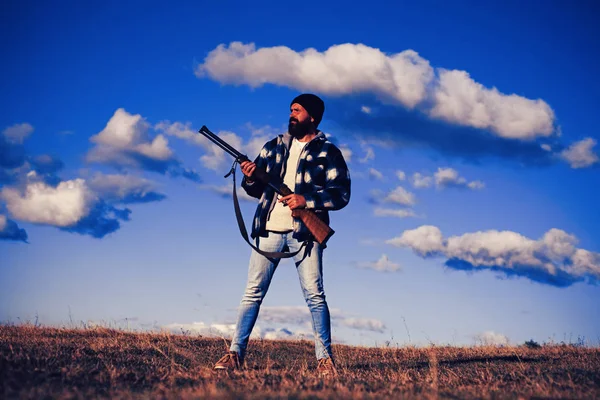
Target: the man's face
(300, 122)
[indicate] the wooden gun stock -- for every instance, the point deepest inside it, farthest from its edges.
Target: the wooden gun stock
(319, 229)
(315, 225)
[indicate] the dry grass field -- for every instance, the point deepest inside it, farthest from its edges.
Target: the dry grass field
(41, 362)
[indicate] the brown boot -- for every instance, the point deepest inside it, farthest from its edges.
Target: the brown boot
(229, 361)
(326, 367)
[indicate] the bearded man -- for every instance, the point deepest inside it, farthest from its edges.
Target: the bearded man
(315, 170)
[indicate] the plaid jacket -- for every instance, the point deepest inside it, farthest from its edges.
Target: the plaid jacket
(322, 178)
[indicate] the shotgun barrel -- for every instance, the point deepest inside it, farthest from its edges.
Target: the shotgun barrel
(318, 229)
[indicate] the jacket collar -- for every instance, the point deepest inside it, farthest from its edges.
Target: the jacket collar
(287, 138)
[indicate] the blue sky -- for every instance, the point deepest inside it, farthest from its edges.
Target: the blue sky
(470, 130)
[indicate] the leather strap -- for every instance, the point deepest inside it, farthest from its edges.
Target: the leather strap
(244, 232)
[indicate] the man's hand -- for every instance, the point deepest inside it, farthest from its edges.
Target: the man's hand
(293, 201)
(248, 168)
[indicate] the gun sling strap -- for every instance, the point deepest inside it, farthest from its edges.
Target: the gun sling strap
(244, 232)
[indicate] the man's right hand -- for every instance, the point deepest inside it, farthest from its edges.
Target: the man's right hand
(248, 168)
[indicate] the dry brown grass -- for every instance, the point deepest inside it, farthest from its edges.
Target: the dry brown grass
(39, 362)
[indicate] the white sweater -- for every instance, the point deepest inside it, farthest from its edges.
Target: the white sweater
(281, 217)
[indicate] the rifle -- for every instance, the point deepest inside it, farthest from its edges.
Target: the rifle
(318, 229)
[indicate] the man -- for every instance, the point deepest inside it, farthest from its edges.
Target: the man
(315, 170)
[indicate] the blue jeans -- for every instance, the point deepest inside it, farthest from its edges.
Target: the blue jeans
(309, 264)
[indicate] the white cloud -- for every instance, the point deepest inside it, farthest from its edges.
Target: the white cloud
(182, 131)
(341, 69)
(214, 330)
(449, 177)
(459, 99)
(300, 315)
(366, 109)
(40, 203)
(391, 212)
(128, 132)
(382, 265)
(443, 178)
(369, 153)
(216, 158)
(405, 78)
(117, 187)
(421, 181)
(400, 196)
(3, 222)
(296, 315)
(286, 334)
(424, 240)
(400, 175)
(552, 259)
(346, 153)
(580, 154)
(476, 185)
(125, 143)
(375, 174)
(227, 330)
(364, 324)
(17, 133)
(491, 338)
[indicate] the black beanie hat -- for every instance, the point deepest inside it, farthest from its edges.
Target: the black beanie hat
(312, 104)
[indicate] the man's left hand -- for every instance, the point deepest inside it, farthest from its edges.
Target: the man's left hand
(293, 201)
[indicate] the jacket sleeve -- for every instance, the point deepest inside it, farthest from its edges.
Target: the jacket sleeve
(335, 194)
(255, 188)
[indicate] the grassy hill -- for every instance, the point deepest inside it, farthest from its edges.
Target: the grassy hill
(41, 362)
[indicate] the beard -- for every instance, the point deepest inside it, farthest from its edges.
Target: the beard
(299, 129)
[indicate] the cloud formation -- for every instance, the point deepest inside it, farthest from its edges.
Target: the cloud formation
(421, 181)
(125, 143)
(397, 196)
(369, 152)
(9, 230)
(33, 191)
(393, 212)
(227, 330)
(364, 324)
(403, 78)
(382, 265)
(449, 177)
(400, 98)
(400, 196)
(553, 259)
(397, 127)
(491, 338)
(581, 154)
(457, 98)
(17, 133)
(71, 206)
(341, 69)
(16, 165)
(215, 158)
(12, 151)
(46, 168)
(300, 315)
(375, 174)
(124, 189)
